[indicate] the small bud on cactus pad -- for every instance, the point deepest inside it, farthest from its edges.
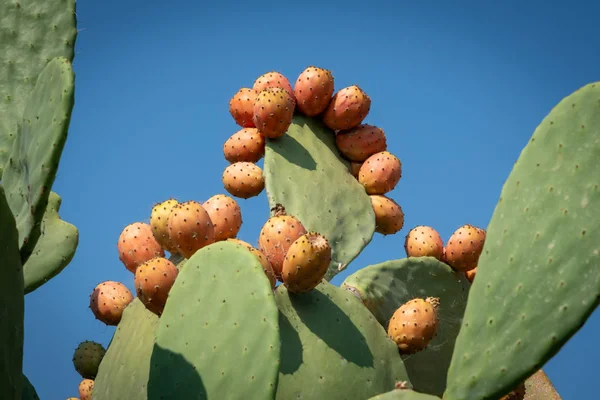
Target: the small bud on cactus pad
(313, 90)
(355, 168)
(241, 107)
(380, 173)
(159, 222)
(190, 228)
(306, 263)
(108, 300)
(464, 247)
(153, 281)
(273, 80)
(137, 245)
(243, 180)
(347, 109)
(424, 241)
(246, 145)
(87, 358)
(85, 389)
(276, 237)
(414, 325)
(470, 274)
(261, 257)
(273, 112)
(517, 394)
(358, 144)
(225, 214)
(389, 217)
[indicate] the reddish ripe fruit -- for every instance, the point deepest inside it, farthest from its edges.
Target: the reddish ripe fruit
(414, 325)
(85, 389)
(464, 247)
(153, 281)
(190, 228)
(470, 274)
(358, 144)
(108, 300)
(261, 257)
(347, 109)
(355, 168)
(241, 107)
(246, 145)
(273, 112)
(306, 263)
(313, 90)
(159, 223)
(276, 237)
(225, 214)
(380, 173)
(273, 80)
(137, 245)
(424, 241)
(389, 217)
(243, 180)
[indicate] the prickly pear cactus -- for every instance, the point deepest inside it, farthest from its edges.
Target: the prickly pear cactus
(28, 392)
(537, 279)
(404, 394)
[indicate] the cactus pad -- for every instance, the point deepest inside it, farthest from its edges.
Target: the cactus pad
(54, 248)
(403, 394)
(33, 162)
(305, 173)
(28, 392)
(386, 286)
(218, 336)
(32, 33)
(124, 370)
(11, 305)
(538, 278)
(332, 347)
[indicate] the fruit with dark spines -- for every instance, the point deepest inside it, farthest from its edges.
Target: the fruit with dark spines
(85, 389)
(361, 142)
(159, 221)
(273, 79)
(241, 107)
(424, 241)
(225, 214)
(313, 90)
(273, 112)
(306, 262)
(261, 257)
(137, 245)
(380, 173)
(464, 247)
(87, 358)
(246, 145)
(347, 109)
(190, 228)
(414, 324)
(108, 300)
(153, 281)
(389, 217)
(243, 180)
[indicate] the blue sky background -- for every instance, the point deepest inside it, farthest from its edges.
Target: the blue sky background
(458, 87)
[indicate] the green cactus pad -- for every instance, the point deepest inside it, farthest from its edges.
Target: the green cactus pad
(11, 305)
(125, 368)
(333, 348)
(538, 278)
(54, 249)
(384, 287)
(305, 173)
(32, 33)
(403, 394)
(33, 162)
(28, 392)
(218, 336)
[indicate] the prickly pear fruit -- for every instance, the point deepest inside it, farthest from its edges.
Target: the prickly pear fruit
(225, 214)
(273, 80)
(137, 245)
(389, 217)
(153, 281)
(355, 168)
(241, 107)
(306, 262)
(517, 394)
(361, 142)
(414, 324)
(347, 109)
(159, 221)
(247, 145)
(243, 180)
(87, 358)
(313, 90)
(380, 173)
(190, 228)
(464, 247)
(424, 241)
(273, 112)
(261, 257)
(470, 274)
(108, 300)
(85, 389)
(276, 237)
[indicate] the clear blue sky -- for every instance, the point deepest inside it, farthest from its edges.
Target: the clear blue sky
(458, 87)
